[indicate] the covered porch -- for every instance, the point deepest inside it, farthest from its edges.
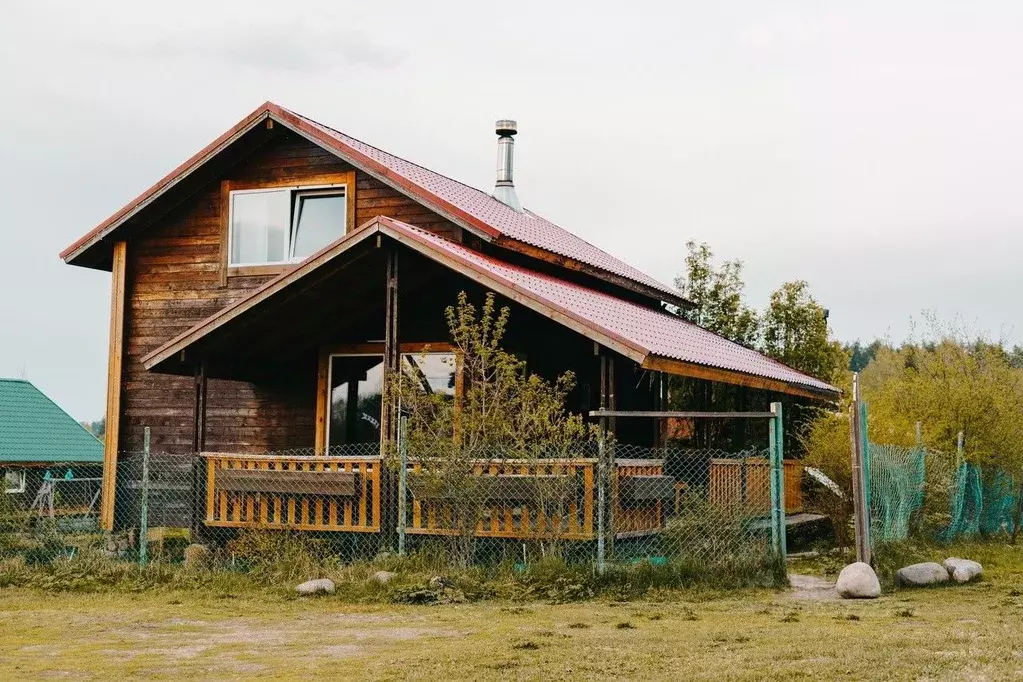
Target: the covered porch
(320, 341)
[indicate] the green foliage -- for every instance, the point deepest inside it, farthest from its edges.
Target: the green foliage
(949, 382)
(282, 556)
(718, 295)
(861, 355)
(795, 331)
(502, 412)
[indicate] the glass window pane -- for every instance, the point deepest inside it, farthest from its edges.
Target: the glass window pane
(434, 372)
(14, 481)
(259, 227)
(319, 220)
(356, 385)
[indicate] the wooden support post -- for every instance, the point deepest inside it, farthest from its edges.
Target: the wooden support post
(114, 369)
(861, 512)
(388, 416)
(198, 441)
(402, 481)
(602, 470)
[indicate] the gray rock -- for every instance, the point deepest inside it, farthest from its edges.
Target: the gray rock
(858, 581)
(198, 556)
(439, 583)
(963, 570)
(383, 577)
(320, 585)
(919, 575)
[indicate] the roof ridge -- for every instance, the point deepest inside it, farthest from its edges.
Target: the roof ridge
(449, 178)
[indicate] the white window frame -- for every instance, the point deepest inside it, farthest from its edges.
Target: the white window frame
(20, 488)
(293, 191)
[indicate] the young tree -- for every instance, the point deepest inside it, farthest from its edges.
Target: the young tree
(795, 331)
(501, 412)
(718, 295)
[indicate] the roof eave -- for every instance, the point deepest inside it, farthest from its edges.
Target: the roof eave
(689, 369)
(504, 287)
(74, 251)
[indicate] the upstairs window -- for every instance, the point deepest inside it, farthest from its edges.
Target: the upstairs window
(276, 226)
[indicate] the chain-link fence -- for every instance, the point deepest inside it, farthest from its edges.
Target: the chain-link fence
(936, 495)
(66, 494)
(599, 505)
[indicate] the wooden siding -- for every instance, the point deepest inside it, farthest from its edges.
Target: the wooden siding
(174, 280)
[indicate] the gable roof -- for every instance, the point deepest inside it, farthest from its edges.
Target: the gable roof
(466, 206)
(34, 429)
(652, 337)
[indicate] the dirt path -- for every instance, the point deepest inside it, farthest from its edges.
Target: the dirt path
(812, 588)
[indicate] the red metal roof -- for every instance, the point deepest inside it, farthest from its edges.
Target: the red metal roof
(526, 227)
(463, 203)
(654, 331)
(635, 330)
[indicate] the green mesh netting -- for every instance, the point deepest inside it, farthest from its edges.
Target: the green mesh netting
(896, 490)
(917, 491)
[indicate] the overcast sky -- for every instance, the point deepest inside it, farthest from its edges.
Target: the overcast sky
(873, 149)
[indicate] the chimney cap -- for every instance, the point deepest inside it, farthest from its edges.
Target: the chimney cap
(506, 127)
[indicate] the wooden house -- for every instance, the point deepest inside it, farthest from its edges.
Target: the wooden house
(49, 463)
(262, 289)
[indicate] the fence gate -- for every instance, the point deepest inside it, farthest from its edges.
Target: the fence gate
(736, 488)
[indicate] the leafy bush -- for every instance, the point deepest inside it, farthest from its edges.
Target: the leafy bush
(282, 556)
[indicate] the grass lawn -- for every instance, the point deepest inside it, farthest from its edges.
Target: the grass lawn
(966, 632)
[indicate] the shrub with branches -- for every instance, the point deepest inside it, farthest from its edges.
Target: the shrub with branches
(500, 412)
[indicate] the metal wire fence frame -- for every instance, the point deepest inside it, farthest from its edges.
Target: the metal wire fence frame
(613, 504)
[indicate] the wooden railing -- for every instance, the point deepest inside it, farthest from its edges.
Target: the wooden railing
(541, 500)
(516, 499)
(522, 499)
(640, 491)
(746, 484)
(303, 493)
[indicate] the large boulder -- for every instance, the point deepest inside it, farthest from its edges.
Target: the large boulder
(383, 577)
(858, 581)
(318, 586)
(963, 570)
(920, 575)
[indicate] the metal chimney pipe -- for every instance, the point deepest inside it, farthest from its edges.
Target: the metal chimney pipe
(504, 191)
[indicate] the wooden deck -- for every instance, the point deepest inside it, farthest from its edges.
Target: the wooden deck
(511, 499)
(746, 483)
(301, 493)
(548, 500)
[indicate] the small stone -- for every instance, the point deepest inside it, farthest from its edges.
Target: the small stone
(198, 556)
(858, 581)
(320, 585)
(920, 575)
(439, 583)
(383, 577)
(963, 570)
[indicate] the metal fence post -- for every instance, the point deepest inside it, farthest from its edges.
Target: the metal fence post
(601, 499)
(777, 461)
(144, 520)
(402, 481)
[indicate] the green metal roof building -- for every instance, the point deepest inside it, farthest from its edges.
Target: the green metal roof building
(34, 430)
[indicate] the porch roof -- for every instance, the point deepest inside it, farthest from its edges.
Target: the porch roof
(652, 337)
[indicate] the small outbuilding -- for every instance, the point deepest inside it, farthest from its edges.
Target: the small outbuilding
(48, 461)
